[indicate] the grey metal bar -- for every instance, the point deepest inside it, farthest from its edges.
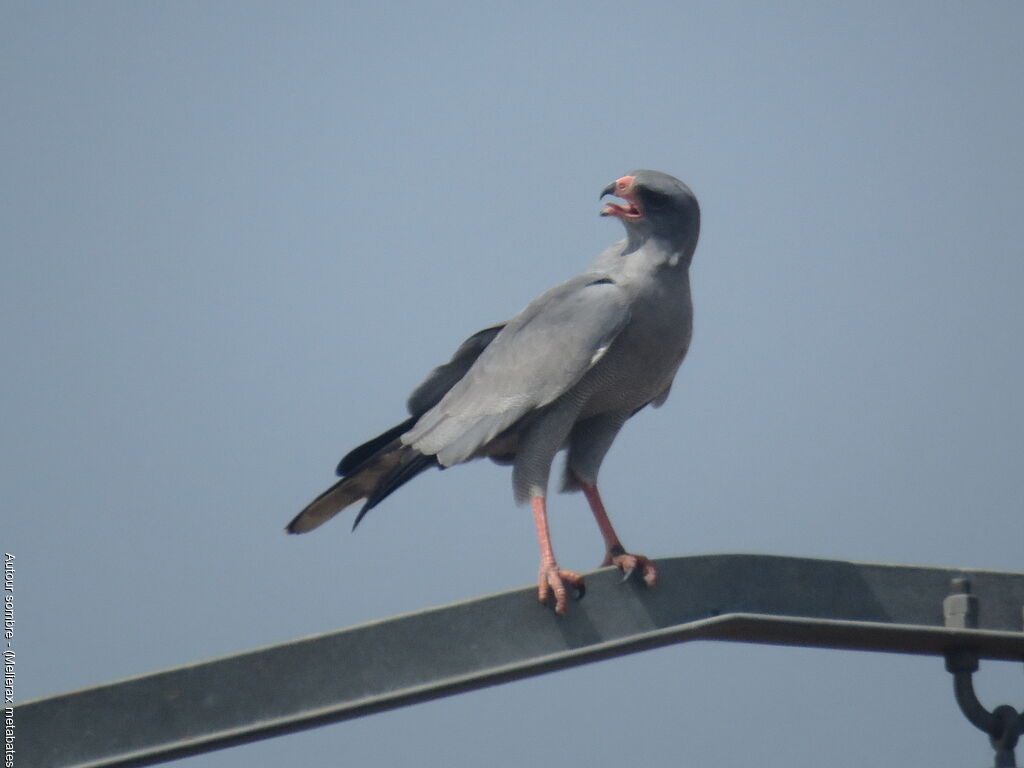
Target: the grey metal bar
(493, 639)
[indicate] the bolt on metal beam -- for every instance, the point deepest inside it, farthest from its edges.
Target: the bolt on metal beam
(488, 640)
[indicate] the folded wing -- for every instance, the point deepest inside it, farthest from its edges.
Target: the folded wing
(534, 359)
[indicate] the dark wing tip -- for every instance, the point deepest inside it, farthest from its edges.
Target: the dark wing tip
(370, 504)
(412, 464)
(358, 456)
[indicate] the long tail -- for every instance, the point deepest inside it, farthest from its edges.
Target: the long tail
(373, 471)
(380, 466)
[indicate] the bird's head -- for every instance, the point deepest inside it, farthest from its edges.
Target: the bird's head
(658, 206)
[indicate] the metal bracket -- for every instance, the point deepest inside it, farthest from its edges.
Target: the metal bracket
(1004, 724)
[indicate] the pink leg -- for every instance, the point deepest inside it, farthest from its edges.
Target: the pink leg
(615, 553)
(551, 579)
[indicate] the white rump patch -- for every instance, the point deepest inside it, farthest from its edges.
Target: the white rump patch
(598, 355)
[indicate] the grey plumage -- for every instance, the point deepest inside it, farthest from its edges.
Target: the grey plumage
(538, 357)
(566, 372)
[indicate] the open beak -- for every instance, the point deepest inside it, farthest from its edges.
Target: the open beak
(622, 188)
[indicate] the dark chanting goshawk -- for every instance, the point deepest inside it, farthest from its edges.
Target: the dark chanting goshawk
(566, 372)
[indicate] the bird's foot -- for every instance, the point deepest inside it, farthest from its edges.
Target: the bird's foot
(630, 564)
(553, 581)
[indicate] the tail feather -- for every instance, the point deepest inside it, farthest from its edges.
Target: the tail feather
(342, 494)
(372, 476)
(380, 466)
(355, 458)
(410, 463)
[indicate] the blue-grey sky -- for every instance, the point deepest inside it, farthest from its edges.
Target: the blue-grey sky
(236, 234)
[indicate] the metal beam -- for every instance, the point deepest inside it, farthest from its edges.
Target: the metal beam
(489, 640)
